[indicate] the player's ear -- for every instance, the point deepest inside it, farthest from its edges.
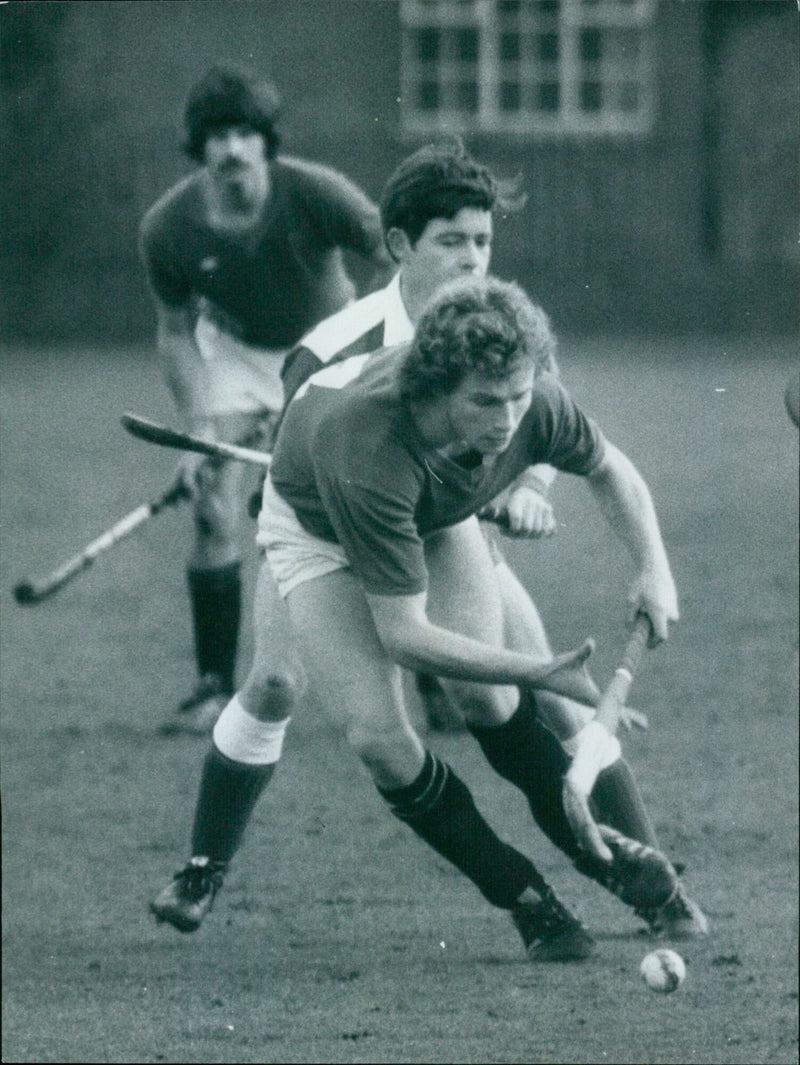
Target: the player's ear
(398, 244)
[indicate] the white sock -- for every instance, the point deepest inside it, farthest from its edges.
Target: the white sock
(243, 738)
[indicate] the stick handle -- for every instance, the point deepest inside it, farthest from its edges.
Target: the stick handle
(589, 759)
(28, 593)
(613, 700)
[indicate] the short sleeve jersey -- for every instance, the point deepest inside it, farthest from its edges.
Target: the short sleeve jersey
(351, 463)
(272, 286)
(375, 321)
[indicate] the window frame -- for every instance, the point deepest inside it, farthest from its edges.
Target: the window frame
(573, 18)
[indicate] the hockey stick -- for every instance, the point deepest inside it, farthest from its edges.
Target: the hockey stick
(574, 687)
(27, 593)
(165, 437)
(581, 776)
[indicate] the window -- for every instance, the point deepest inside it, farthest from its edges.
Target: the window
(528, 66)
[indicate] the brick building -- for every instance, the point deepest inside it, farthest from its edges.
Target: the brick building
(657, 140)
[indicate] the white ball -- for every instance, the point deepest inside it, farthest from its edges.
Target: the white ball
(663, 970)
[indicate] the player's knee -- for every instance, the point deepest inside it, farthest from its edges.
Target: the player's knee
(214, 519)
(274, 694)
(484, 705)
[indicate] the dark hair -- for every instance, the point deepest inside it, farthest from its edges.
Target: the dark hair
(437, 181)
(230, 95)
(480, 325)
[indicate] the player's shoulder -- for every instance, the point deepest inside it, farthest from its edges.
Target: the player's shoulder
(310, 176)
(171, 206)
(552, 403)
(341, 331)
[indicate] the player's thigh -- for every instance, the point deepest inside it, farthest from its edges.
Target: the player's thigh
(218, 499)
(277, 679)
(353, 676)
(463, 593)
(525, 632)
(522, 624)
(464, 596)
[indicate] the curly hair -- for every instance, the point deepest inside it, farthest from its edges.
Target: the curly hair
(437, 181)
(230, 95)
(480, 325)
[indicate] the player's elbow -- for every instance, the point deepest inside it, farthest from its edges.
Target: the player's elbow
(400, 647)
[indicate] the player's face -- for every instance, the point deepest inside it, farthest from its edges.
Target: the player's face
(235, 154)
(484, 413)
(448, 248)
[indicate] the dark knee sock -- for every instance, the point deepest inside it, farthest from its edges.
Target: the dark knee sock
(529, 756)
(617, 801)
(216, 598)
(228, 794)
(438, 806)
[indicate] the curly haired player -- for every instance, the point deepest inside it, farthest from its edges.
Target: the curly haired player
(437, 210)
(369, 525)
(243, 256)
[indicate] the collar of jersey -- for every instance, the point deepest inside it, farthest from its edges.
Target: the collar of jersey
(397, 328)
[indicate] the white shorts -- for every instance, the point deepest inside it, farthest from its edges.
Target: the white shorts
(293, 554)
(243, 379)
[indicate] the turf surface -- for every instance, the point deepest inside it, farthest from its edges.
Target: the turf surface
(338, 937)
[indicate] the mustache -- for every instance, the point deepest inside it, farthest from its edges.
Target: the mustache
(231, 163)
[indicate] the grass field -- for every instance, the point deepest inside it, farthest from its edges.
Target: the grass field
(338, 937)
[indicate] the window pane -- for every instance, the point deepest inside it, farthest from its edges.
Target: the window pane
(547, 49)
(590, 45)
(548, 97)
(465, 45)
(428, 95)
(428, 45)
(509, 96)
(509, 46)
(591, 96)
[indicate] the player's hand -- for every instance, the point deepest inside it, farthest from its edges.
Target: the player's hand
(630, 719)
(593, 749)
(653, 593)
(193, 466)
(566, 674)
(523, 512)
(189, 471)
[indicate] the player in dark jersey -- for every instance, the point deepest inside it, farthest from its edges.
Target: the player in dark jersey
(369, 525)
(243, 257)
(437, 213)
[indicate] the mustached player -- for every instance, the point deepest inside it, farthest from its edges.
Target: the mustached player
(243, 257)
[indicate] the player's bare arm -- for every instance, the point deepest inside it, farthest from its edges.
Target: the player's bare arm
(625, 500)
(184, 368)
(524, 509)
(411, 640)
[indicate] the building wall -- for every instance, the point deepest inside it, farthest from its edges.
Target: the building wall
(657, 233)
